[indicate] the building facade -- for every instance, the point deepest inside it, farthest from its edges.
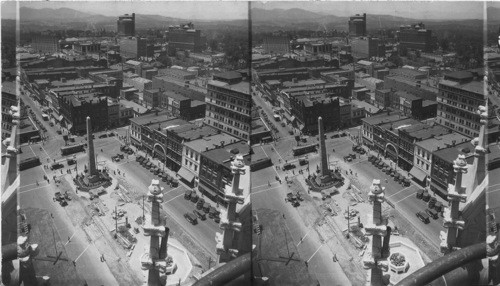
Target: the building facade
(228, 106)
(125, 25)
(357, 25)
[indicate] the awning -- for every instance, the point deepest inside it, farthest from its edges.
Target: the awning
(186, 174)
(418, 174)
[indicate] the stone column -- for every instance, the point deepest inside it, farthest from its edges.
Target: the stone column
(91, 154)
(322, 149)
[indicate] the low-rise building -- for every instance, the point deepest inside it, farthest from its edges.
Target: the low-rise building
(442, 171)
(215, 169)
(192, 150)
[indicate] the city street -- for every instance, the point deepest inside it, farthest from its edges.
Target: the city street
(37, 193)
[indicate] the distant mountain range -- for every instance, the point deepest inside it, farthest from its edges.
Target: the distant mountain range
(42, 19)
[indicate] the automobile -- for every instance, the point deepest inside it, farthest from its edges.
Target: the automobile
(432, 213)
(139, 158)
(115, 158)
(51, 124)
(191, 218)
(299, 197)
(217, 219)
(70, 161)
(303, 139)
(58, 196)
(362, 151)
(303, 162)
(213, 212)
(206, 207)
(283, 124)
(130, 152)
(56, 166)
(348, 158)
(423, 217)
(66, 196)
(335, 136)
(103, 136)
(438, 207)
(187, 194)
(63, 202)
(295, 203)
(120, 155)
(420, 193)
(200, 203)
(194, 198)
(111, 134)
(353, 156)
(343, 134)
(432, 202)
(59, 132)
(200, 215)
(123, 148)
(288, 166)
(426, 196)
(136, 230)
(290, 132)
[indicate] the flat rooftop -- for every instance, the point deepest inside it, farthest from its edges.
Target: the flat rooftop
(441, 142)
(473, 86)
(383, 118)
(198, 132)
(224, 154)
(210, 142)
(450, 154)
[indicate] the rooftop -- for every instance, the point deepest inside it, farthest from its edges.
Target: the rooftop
(383, 118)
(425, 131)
(473, 86)
(224, 154)
(450, 154)
(210, 142)
(197, 133)
(175, 95)
(363, 104)
(197, 103)
(426, 102)
(395, 126)
(136, 107)
(229, 75)
(258, 126)
(78, 81)
(441, 142)
(407, 95)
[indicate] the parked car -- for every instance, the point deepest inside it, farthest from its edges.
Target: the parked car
(423, 217)
(303, 162)
(200, 203)
(288, 166)
(432, 213)
(59, 132)
(103, 136)
(187, 194)
(194, 197)
(70, 161)
(63, 202)
(191, 218)
(420, 193)
(111, 134)
(58, 196)
(56, 166)
(200, 215)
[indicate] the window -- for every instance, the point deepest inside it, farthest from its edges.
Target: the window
(185, 161)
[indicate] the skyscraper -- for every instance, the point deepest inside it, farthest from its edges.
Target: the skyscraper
(126, 25)
(357, 25)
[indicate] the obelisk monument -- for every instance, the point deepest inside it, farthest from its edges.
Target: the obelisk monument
(324, 176)
(322, 149)
(92, 168)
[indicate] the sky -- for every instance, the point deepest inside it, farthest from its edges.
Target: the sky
(196, 10)
(408, 9)
(228, 10)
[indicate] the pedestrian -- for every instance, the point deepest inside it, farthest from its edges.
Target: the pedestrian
(386, 181)
(74, 263)
(51, 215)
(268, 183)
(283, 216)
(37, 182)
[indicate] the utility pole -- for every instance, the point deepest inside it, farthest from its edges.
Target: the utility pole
(143, 215)
(116, 222)
(348, 222)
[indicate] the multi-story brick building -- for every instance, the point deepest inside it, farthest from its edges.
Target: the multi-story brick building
(76, 107)
(408, 136)
(192, 150)
(425, 149)
(126, 25)
(137, 123)
(442, 171)
(215, 169)
(228, 105)
(369, 124)
(458, 99)
(415, 37)
(151, 97)
(184, 37)
(357, 25)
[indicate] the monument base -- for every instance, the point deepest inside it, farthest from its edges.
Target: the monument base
(88, 182)
(319, 183)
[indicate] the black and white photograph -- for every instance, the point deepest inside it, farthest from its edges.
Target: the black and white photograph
(337, 143)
